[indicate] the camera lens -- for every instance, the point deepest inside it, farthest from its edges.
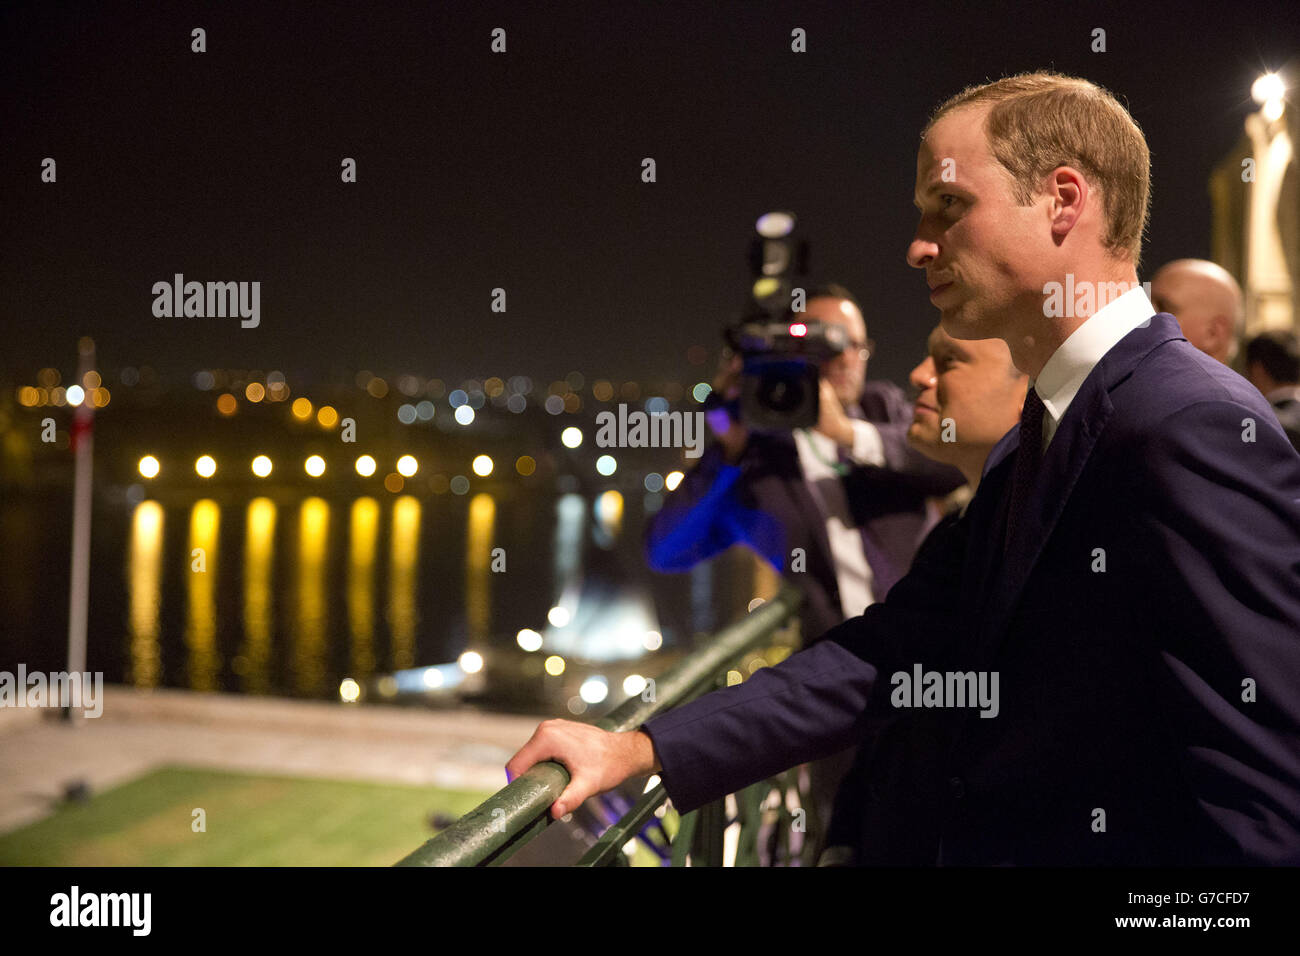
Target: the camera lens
(781, 393)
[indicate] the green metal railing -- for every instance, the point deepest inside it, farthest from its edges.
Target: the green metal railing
(519, 811)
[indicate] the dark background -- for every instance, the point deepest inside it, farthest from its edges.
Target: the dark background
(522, 170)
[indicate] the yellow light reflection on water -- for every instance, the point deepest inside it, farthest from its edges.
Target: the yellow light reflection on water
(478, 573)
(254, 661)
(363, 530)
(609, 512)
(144, 572)
(403, 614)
(311, 621)
(203, 665)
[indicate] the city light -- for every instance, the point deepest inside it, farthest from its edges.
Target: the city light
(365, 466)
(76, 395)
(301, 408)
(558, 616)
(1268, 87)
(149, 466)
(471, 662)
(633, 684)
(673, 479)
(653, 640)
(525, 465)
(255, 392)
(571, 437)
(464, 415)
(206, 466)
(407, 466)
(314, 466)
(432, 678)
(701, 391)
(349, 691)
(227, 404)
(1269, 91)
(554, 665)
(606, 465)
(261, 466)
(529, 639)
(594, 689)
(327, 416)
(482, 466)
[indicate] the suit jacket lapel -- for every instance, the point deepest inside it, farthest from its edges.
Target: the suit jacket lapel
(1063, 462)
(987, 517)
(1001, 581)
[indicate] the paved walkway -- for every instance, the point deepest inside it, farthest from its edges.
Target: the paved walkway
(141, 730)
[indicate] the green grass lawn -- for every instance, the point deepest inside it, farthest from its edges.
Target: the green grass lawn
(252, 820)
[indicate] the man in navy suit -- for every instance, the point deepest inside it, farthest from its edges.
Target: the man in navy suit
(1105, 649)
(1273, 367)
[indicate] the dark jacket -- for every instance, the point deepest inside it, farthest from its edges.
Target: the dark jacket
(1287, 409)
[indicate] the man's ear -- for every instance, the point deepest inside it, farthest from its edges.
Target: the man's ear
(1223, 327)
(1068, 191)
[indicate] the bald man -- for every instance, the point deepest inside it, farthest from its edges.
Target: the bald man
(1207, 302)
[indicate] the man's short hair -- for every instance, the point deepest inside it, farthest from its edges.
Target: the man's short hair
(1278, 352)
(831, 290)
(1041, 121)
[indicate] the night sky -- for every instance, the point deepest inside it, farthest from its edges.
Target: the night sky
(523, 170)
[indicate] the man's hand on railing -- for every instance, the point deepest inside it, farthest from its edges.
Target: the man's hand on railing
(597, 760)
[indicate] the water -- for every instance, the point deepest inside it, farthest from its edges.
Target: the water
(289, 592)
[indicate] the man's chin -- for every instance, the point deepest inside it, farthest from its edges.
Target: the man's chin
(925, 440)
(961, 322)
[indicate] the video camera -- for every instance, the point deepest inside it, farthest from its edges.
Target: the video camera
(780, 381)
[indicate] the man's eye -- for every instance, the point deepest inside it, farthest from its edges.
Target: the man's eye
(947, 199)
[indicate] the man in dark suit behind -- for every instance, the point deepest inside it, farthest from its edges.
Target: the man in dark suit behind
(1273, 367)
(1126, 580)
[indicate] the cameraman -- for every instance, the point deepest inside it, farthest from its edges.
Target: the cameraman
(850, 493)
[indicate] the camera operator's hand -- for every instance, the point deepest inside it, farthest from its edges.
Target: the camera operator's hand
(732, 435)
(831, 418)
(597, 760)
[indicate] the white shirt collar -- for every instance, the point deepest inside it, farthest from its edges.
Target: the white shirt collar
(1076, 357)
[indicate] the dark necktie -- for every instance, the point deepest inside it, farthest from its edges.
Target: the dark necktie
(1027, 459)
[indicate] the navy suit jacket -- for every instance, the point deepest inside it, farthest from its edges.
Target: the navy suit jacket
(763, 502)
(1145, 626)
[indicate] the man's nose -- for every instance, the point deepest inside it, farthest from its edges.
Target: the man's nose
(922, 376)
(921, 252)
